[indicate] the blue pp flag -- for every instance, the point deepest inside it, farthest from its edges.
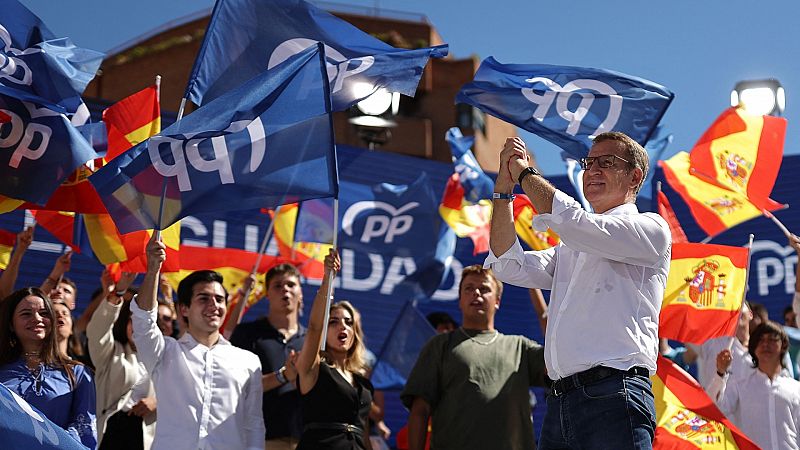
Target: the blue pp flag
(245, 37)
(38, 67)
(400, 222)
(410, 332)
(568, 106)
(23, 426)
(315, 220)
(477, 185)
(40, 150)
(266, 143)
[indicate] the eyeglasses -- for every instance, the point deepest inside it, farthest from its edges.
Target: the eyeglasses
(604, 161)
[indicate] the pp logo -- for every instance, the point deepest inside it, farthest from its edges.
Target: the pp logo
(12, 68)
(339, 67)
(560, 95)
(30, 139)
(188, 151)
(394, 224)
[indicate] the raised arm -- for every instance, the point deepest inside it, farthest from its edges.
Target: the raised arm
(308, 361)
(502, 234)
(60, 267)
(148, 338)
(794, 241)
(235, 316)
(9, 276)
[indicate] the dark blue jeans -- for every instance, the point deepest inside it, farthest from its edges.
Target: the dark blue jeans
(615, 413)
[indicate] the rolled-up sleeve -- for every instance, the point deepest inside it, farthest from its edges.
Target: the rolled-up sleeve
(148, 338)
(526, 269)
(639, 239)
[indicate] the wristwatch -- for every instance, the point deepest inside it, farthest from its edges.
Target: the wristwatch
(525, 172)
(502, 196)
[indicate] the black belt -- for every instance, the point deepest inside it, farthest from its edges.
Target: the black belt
(334, 426)
(593, 375)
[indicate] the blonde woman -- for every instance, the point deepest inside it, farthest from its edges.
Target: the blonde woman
(335, 394)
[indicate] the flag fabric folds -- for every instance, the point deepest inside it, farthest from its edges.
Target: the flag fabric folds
(704, 292)
(686, 418)
(466, 206)
(233, 264)
(37, 66)
(568, 106)
(308, 255)
(23, 426)
(132, 120)
(41, 148)
(714, 208)
(266, 143)
(467, 219)
(244, 37)
(476, 184)
(665, 211)
(523, 225)
(742, 153)
(410, 332)
(7, 241)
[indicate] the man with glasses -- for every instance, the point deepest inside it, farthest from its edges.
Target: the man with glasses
(607, 278)
(764, 403)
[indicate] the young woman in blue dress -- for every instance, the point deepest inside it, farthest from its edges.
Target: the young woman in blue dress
(32, 366)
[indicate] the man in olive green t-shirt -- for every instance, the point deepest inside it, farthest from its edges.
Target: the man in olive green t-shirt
(474, 381)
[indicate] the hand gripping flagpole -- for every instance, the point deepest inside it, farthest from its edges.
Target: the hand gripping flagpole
(329, 293)
(746, 282)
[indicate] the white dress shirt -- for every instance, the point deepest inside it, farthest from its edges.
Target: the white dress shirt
(741, 362)
(607, 278)
(208, 398)
(767, 411)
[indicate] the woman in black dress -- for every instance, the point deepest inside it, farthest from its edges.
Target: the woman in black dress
(335, 395)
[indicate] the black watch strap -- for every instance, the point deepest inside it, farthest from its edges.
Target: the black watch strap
(525, 172)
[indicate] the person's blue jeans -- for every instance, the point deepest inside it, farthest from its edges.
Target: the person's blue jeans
(615, 413)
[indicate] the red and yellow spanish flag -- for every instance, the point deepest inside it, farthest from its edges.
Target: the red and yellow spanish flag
(742, 153)
(233, 264)
(135, 244)
(523, 224)
(132, 120)
(714, 208)
(7, 240)
(686, 418)
(666, 212)
(704, 292)
(467, 219)
(309, 257)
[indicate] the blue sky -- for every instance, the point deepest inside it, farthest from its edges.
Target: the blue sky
(698, 49)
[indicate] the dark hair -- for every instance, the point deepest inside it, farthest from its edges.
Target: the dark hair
(11, 348)
(441, 318)
(280, 270)
(186, 286)
(763, 329)
(70, 283)
(477, 269)
(120, 328)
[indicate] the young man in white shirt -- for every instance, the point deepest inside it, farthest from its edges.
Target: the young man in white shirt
(209, 391)
(607, 279)
(764, 403)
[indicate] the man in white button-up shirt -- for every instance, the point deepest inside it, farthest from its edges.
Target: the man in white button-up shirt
(209, 391)
(607, 280)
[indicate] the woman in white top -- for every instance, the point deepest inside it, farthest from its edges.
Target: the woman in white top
(126, 401)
